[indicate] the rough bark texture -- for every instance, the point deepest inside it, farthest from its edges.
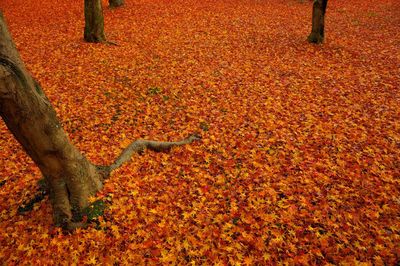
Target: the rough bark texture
(28, 114)
(32, 120)
(318, 21)
(94, 21)
(116, 3)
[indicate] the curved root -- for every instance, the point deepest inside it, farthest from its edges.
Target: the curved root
(139, 146)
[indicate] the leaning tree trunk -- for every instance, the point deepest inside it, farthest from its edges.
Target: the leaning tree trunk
(28, 114)
(116, 3)
(94, 21)
(318, 21)
(30, 117)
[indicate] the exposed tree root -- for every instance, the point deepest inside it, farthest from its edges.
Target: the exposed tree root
(137, 146)
(111, 43)
(140, 145)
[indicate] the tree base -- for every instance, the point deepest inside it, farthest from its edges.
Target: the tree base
(116, 3)
(315, 38)
(94, 38)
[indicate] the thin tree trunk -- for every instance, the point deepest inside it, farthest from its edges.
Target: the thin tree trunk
(116, 3)
(94, 21)
(318, 21)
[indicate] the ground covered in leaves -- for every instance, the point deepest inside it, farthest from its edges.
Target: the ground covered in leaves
(299, 160)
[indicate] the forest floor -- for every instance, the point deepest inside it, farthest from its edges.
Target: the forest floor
(299, 157)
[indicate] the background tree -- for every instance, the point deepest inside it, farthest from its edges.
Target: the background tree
(94, 21)
(116, 3)
(70, 177)
(318, 21)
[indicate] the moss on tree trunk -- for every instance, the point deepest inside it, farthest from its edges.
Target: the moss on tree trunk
(318, 21)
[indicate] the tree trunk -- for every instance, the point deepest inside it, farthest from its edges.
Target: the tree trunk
(94, 21)
(32, 120)
(318, 21)
(116, 3)
(28, 114)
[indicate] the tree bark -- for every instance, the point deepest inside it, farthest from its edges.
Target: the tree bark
(116, 3)
(318, 21)
(32, 120)
(94, 22)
